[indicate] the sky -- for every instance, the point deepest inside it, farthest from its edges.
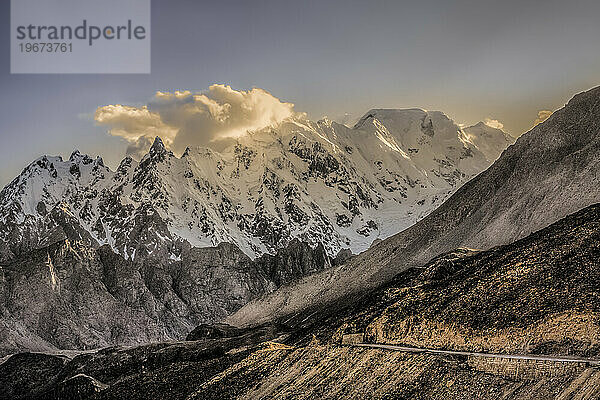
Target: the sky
(502, 60)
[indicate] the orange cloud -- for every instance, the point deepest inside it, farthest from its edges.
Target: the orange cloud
(493, 123)
(184, 118)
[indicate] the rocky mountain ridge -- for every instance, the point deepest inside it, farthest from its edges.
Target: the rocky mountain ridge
(320, 182)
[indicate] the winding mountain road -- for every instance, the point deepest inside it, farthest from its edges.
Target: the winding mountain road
(570, 359)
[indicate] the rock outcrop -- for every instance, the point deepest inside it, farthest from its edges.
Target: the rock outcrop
(71, 295)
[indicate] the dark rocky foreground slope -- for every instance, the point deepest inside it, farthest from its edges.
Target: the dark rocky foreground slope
(538, 295)
(70, 295)
(551, 171)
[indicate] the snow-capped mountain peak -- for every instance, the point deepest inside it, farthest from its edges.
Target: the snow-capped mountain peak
(488, 139)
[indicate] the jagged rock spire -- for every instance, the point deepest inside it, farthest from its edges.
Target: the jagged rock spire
(75, 155)
(158, 148)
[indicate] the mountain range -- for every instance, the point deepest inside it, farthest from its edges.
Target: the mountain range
(550, 172)
(320, 182)
(92, 257)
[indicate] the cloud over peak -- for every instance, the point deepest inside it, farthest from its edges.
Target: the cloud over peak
(493, 123)
(183, 118)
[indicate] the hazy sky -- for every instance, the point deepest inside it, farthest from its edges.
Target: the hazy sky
(504, 60)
